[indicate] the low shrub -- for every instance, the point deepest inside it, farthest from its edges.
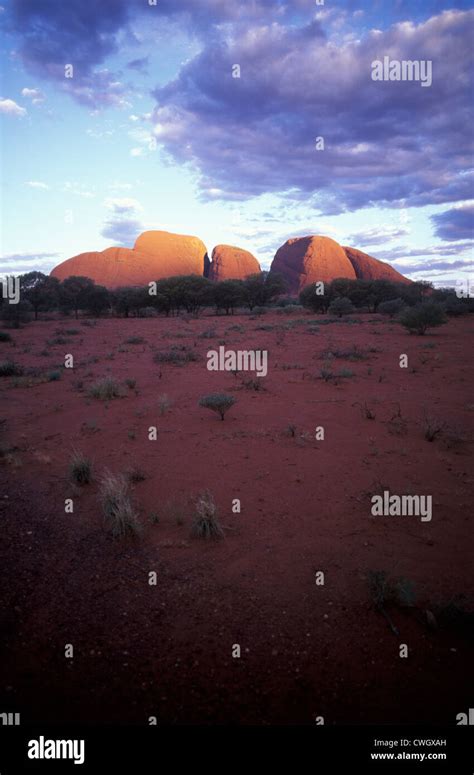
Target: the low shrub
(206, 523)
(116, 505)
(218, 402)
(80, 468)
(10, 369)
(178, 356)
(418, 319)
(105, 389)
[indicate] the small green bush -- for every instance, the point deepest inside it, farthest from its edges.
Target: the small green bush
(418, 319)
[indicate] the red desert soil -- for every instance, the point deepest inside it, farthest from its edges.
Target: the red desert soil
(166, 650)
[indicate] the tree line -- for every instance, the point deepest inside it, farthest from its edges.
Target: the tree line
(192, 293)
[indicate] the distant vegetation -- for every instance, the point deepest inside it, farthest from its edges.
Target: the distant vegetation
(41, 294)
(423, 316)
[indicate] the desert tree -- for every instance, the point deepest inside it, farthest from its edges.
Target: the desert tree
(75, 293)
(40, 290)
(227, 295)
(218, 402)
(340, 307)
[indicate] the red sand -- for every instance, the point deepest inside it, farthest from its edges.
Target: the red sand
(307, 650)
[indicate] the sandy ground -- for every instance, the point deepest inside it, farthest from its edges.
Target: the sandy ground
(307, 650)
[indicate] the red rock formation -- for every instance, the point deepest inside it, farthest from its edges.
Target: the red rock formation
(368, 268)
(229, 263)
(157, 254)
(175, 253)
(307, 260)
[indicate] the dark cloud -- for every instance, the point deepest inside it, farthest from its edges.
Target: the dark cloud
(53, 33)
(455, 224)
(384, 141)
(139, 64)
(301, 77)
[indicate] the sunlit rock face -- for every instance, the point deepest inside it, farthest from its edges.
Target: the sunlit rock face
(156, 254)
(231, 263)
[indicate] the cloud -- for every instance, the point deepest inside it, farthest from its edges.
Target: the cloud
(139, 64)
(123, 205)
(433, 266)
(384, 142)
(124, 226)
(123, 231)
(78, 189)
(19, 263)
(12, 257)
(36, 184)
(452, 249)
(376, 236)
(455, 224)
(10, 108)
(119, 186)
(36, 95)
(53, 34)
(256, 134)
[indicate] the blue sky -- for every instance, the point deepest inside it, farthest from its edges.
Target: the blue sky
(153, 132)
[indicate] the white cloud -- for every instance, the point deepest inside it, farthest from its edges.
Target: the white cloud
(11, 108)
(377, 235)
(36, 95)
(123, 205)
(137, 152)
(117, 186)
(36, 184)
(78, 189)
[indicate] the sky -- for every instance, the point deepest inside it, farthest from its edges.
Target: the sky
(159, 129)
